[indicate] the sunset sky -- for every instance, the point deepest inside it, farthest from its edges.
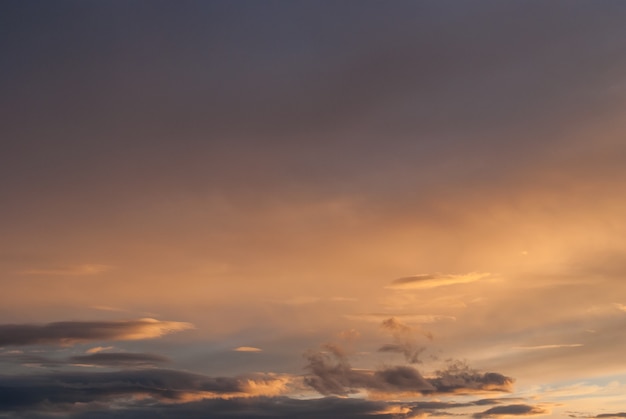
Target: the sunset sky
(312, 209)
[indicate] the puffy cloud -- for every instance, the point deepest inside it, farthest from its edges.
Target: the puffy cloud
(68, 333)
(435, 280)
(511, 410)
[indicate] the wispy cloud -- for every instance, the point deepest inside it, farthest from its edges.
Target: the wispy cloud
(423, 281)
(120, 359)
(69, 333)
(71, 270)
(554, 346)
(404, 340)
(407, 318)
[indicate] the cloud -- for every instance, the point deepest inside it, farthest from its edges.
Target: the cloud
(98, 359)
(98, 349)
(511, 410)
(619, 306)
(69, 333)
(72, 270)
(121, 359)
(435, 280)
(404, 341)
(253, 407)
(60, 390)
(332, 374)
(458, 377)
(612, 415)
(408, 318)
(247, 349)
(555, 346)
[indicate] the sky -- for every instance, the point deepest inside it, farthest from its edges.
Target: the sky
(306, 209)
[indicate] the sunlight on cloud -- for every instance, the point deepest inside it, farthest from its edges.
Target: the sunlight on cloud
(423, 281)
(97, 349)
(70, 333)
(555, 346)
(247, 349)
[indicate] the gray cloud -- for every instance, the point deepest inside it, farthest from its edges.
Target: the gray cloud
(512, 410)
(68, 333)
(458, 377)
(62, 389)
(259, 407)
(121, 359)
(331, 373)
(117, 360)
(612, 415)
(404, 340)
(254, 407)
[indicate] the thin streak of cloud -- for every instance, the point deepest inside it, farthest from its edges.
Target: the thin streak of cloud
(407, 318)
(109, 308)
(555, 346)
(72, 270)
(120, 359)
(424, 281)
(247, 349)
(69, 333)
(97, 349)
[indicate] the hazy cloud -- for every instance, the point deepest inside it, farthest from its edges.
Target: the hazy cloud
(68, 333)
(612, 415)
